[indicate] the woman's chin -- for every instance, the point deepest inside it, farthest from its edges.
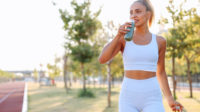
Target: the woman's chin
(138, 24)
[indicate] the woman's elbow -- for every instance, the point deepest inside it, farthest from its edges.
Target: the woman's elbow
(101, 60)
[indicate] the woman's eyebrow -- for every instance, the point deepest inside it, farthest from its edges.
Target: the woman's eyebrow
(137, 9)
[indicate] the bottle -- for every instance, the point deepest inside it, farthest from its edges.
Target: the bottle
(129, 34)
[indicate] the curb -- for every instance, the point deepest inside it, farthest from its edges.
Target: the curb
(25, 99)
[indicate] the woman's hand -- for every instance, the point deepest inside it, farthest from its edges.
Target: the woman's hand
(122, 29)
(174, 105)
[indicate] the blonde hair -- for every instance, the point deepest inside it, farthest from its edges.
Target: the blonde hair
(149, 7)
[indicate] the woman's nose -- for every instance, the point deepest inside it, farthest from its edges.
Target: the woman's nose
(132, 16)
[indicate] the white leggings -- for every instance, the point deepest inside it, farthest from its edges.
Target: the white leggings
(140, 96)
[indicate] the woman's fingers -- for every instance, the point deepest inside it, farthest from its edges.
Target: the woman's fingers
(177, 108)
(127, 25)
(181, 105)
(174, 109)
(123, 28)
(124, 32)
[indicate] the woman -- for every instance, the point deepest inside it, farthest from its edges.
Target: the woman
(144, 64)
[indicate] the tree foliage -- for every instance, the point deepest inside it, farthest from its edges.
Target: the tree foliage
(4, 74)
(81, 28)
(53, 69)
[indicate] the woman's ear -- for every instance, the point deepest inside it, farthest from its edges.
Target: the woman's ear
(149, 15)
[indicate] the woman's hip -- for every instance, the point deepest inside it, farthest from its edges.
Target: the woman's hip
(145, 85)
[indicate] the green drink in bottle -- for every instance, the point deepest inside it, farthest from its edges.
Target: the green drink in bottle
(129, 35)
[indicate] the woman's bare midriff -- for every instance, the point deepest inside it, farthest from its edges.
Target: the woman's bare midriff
(139, 75)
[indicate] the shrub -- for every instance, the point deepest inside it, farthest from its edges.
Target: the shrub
(86, 93)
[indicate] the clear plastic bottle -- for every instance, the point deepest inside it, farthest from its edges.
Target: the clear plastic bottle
(129, 34)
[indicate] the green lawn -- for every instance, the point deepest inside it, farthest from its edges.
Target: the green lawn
(55, 99)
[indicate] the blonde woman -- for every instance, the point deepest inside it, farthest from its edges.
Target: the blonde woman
(144, 64)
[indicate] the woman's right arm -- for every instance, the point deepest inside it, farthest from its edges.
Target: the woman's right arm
(110, 50)
(113, 47)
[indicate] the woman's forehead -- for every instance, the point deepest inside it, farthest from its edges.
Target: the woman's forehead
(137, 6)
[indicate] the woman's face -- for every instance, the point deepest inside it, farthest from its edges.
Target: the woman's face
(139, 14)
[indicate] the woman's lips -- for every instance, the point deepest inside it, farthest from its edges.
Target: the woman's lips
(136, 21)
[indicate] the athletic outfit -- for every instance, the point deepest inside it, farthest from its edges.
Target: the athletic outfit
(141, 95)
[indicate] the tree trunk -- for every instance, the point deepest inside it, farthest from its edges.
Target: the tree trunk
(113, 80)
(109, 83)
(103, 82)
(173, 76)
(83, 73)
(94, 82)
(70, 80)
(65, 73)
(100, 79)
(189, 76)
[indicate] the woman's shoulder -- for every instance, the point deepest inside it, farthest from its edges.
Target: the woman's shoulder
(160, 38)
(161, 41)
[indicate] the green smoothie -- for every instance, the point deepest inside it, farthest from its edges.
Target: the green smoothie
(129, 34)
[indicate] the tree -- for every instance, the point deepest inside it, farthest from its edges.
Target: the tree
(108, 32)
(101, 39)
(6, 75)
(183, 38)
(65, 59)
(189, 30)
(54, 70)
(35, 74)
(81, 27)
(73, 69)
(173, 48)
(117, 67)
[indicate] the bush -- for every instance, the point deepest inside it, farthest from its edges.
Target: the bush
(86, 93)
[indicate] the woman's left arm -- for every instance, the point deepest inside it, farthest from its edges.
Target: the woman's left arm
(161, 74)
(162, 77)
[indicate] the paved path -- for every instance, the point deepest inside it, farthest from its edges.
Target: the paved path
(11, 96)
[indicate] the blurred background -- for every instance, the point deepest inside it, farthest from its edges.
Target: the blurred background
(51, 47)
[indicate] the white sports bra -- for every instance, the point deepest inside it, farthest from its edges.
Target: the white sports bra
(141, 57)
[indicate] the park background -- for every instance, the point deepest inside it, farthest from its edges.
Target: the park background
(54, 45)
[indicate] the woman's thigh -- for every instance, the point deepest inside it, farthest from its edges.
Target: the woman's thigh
(154, 107)
(125, 107)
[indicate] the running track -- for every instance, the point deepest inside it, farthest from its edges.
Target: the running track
(11, 96)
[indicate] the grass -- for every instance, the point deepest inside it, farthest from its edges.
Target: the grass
(55, 99)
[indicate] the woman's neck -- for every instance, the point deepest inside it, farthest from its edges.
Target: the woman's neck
(141, 30)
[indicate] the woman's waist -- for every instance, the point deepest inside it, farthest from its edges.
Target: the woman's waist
(140, 85)
(139, 74)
